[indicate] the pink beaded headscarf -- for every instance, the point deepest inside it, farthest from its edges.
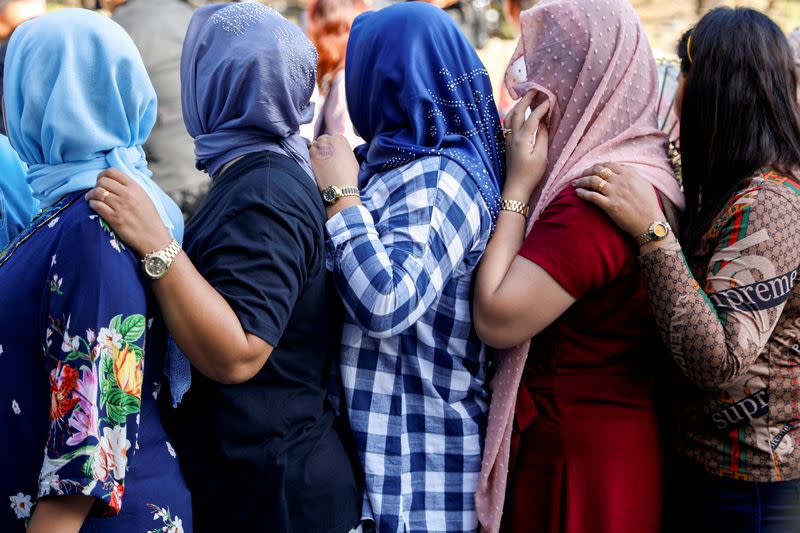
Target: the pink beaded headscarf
(592, 60)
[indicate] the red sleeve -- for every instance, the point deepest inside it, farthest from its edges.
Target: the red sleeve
(578, 245)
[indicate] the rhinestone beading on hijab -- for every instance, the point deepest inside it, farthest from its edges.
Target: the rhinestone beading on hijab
(416, 90)
(247, 75)
(592, 59)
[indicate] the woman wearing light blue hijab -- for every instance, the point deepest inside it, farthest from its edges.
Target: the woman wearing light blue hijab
(82, 347)
(249, 304)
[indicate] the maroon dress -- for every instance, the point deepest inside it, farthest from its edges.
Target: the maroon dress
(585, 450)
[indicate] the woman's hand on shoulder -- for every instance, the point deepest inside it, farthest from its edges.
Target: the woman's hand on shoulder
(627, 198)
(333, 162)
(127, 208)
(526, 155)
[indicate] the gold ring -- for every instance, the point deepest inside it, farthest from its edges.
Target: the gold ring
(603, 183)
(605, 173)
(507, 133)
(105, 195)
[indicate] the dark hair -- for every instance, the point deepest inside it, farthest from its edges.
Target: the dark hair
(739, 110)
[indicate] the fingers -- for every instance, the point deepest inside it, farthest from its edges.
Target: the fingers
(517, 115)
(102, 209)
(593, 183)
(321, 148)
(328, 146)
(610, 169)
(99, 194)
(595, 198)
(542, 140)
(111, 185)
(115, 175)
(533, 121)
(613, 167)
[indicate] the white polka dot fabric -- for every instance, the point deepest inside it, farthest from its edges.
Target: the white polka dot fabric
(592, 60)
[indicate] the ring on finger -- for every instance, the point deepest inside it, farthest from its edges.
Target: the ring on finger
(601, 185)
(105, 195)
(605, 173)
(507, 133)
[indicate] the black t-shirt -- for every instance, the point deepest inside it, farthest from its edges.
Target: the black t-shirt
(265, 455)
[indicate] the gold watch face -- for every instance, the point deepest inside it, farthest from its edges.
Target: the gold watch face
(660, 231)
(155, 267)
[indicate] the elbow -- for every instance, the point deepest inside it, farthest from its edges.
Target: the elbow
(384, 319)
(378, 328)
(493, 330)
(711, 379)
(712, 382)
(233, 374)
(236, 371)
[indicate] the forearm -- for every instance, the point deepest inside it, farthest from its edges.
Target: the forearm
(686, 319)
(60, 514)
(205, 326)
(499, 255)
(515, 298)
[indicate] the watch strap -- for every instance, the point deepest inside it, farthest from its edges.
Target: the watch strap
(515, 206)
(644, 238)
(348, 191)
(172, 250)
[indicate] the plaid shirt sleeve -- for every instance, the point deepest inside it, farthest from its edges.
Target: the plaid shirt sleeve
(389, 271)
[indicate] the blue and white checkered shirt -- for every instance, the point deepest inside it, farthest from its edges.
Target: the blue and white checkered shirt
(412, 366)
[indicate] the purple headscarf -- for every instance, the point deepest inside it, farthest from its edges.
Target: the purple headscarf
(247, 75)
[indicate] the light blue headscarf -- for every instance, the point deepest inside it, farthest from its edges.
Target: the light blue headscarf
(78, 101)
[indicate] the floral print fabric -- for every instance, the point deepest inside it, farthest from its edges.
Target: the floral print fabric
(80, 368)
(95, 386)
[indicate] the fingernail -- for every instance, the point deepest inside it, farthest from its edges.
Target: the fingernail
(575, 183)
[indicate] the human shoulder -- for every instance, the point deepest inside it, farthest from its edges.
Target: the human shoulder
(84, 240)
(268, 180)
(764, 191)
(578, 245)
(431, 172)
(785, 185)
(570, 214)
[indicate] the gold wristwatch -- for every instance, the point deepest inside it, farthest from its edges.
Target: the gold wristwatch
(155, 264)
(657, 231)
(331, 195)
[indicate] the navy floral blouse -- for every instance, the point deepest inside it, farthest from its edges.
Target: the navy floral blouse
(81, 357)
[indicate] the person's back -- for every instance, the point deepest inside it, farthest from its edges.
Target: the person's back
(272, 437)
(576, 400)
(158, 27)
(248, 304)
(98, 327)
(84, 436)
(412, 367)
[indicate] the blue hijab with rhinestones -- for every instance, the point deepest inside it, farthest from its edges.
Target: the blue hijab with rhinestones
(247, 75)
(415, 87)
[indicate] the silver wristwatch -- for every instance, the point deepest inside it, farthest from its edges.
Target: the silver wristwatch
(155, 264)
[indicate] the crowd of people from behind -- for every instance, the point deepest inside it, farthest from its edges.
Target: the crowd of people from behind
(425, 319)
